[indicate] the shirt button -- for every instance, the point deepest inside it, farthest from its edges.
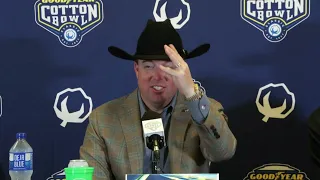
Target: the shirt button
(203, 107)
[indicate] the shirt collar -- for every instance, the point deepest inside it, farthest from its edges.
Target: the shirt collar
(167, 109)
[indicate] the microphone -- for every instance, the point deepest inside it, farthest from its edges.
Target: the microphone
(154, 136)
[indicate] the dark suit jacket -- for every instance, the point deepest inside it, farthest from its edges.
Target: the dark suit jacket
(114, 145)
(314, 136)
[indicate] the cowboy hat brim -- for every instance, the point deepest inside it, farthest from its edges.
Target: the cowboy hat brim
(120, 53)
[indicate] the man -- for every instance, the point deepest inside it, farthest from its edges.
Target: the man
(314, 136)
(196, 127)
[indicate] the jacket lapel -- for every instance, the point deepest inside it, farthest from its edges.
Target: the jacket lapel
(180, 121)
(132, 130)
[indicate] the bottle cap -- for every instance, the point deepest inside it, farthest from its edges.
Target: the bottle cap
(21, 135)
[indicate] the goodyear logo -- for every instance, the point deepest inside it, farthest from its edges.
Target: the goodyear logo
(69, 20)
(276, 171)
(275, 17)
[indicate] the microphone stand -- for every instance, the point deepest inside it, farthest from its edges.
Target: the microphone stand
(155, 142)
(155, 154)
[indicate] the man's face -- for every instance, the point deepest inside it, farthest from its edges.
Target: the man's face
(156, 86)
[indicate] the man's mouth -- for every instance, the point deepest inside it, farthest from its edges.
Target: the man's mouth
(158, 88)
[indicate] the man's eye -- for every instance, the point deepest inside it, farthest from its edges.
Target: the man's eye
(148, 66)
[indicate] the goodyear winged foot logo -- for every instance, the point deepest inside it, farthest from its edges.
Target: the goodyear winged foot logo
(274, 17)
(69, 20)
(276, 171)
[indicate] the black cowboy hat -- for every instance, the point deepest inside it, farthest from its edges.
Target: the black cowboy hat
(152, 40)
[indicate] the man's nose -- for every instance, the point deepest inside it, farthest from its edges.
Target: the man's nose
(159, 74)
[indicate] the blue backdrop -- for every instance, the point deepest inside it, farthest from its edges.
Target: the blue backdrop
(41, 57)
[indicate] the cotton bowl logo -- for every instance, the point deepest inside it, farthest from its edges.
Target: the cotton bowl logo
(69, 20)
(79, 115)
(265, 108)
(175, 21)
(200, 86)
(275, 17)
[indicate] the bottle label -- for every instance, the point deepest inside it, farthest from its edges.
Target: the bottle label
(21, 161)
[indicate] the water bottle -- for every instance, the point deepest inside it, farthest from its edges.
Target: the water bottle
(21, 159)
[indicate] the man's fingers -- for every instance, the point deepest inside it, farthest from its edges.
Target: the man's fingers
(172, 55)
(172, 47)
(169, 70)
(176, 54)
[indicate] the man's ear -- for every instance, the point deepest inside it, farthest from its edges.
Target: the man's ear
(136, 67)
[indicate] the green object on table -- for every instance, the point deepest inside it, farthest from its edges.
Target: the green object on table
(79, 173)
